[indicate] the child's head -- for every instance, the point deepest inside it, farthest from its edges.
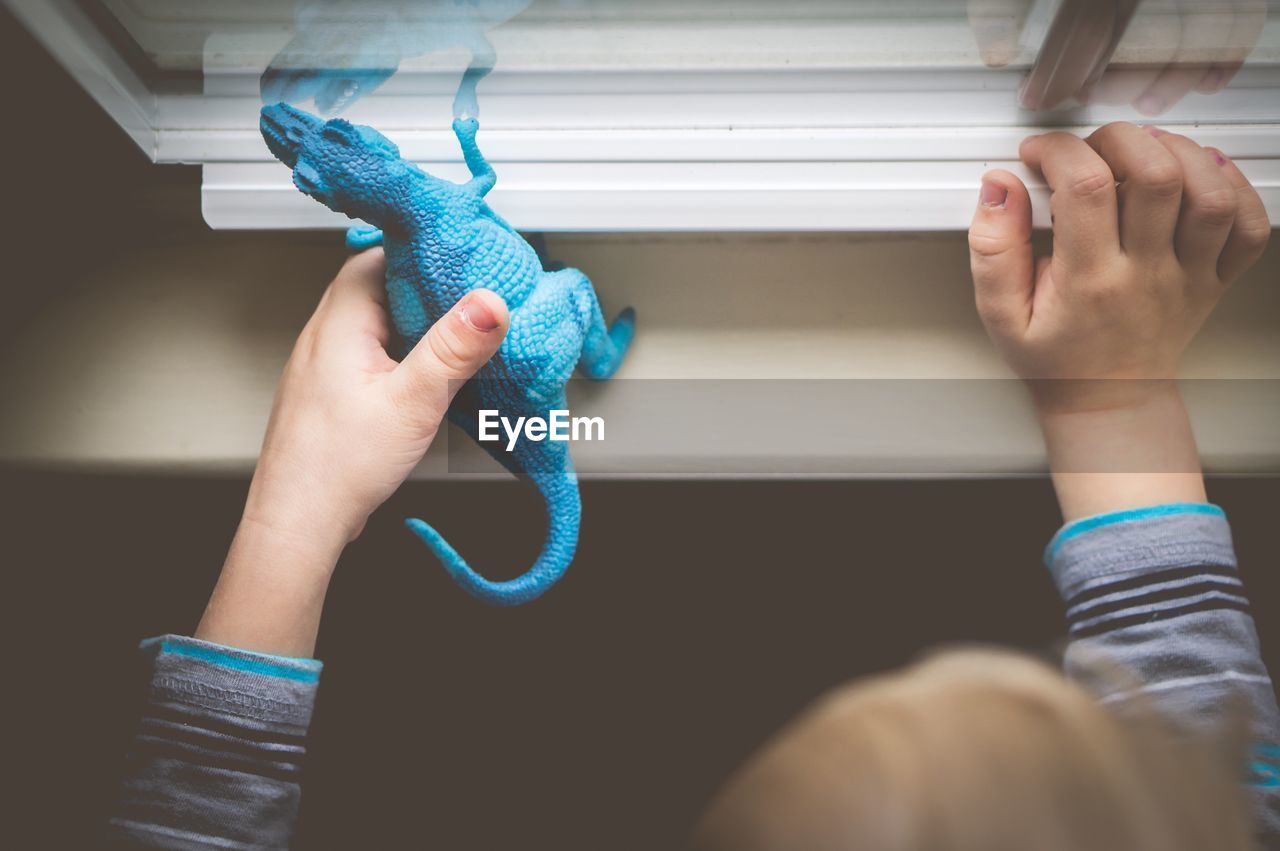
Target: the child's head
(977, 751)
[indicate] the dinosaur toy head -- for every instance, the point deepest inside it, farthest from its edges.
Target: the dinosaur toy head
(335, 162)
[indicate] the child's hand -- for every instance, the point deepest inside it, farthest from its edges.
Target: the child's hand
(348, 426)
(349, 423)
(1149, 229)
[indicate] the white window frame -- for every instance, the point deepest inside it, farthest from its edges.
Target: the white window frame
(848, 149)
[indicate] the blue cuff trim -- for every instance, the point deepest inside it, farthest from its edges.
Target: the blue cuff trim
(1265, 767)
(265, 664)
(1088, 524)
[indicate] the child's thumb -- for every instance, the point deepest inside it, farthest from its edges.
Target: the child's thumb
(455, 347)
(1000, 254)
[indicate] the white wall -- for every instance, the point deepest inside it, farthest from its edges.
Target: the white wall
(166, 357)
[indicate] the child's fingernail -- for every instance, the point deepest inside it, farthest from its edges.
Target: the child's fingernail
(992, 194)
(1219, 157)
(478, 314)
(1212, 81)
(1154, 130)
(1151, 105)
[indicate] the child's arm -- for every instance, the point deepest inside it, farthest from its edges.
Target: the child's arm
(1149, 229)
(216, 757)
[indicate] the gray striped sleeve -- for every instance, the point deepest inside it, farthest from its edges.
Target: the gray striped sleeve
(1157, 591)
(216, 758)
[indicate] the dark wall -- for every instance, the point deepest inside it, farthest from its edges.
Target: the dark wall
(696, 619)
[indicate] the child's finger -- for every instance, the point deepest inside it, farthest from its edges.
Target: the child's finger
(356, 300)
(1205, 30)
(362, 278)
(996, 25)
(1209, 204)
(1000, 254)
(1248, 19)
(454, 349)
(1251, 229)
(1085, 230)
(1150, 188)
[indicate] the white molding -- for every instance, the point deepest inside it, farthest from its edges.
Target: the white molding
(735, 186)
(658, 149)
(712, 145)
(708, 150)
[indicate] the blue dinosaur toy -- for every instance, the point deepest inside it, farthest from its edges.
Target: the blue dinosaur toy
(442, 240)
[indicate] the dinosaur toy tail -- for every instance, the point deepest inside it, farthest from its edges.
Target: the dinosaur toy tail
(564, 512)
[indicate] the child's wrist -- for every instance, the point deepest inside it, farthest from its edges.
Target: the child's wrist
(1065, 398)
(271, 592)
(1141, 451)
(308, 515)
(312, 557)
(1091, 410)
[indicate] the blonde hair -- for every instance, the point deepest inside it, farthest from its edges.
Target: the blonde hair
(979, 751)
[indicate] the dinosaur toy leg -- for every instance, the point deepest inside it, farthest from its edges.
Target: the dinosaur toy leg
(362, 236)
(483, 177)
(542, 347)
(603, 346)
